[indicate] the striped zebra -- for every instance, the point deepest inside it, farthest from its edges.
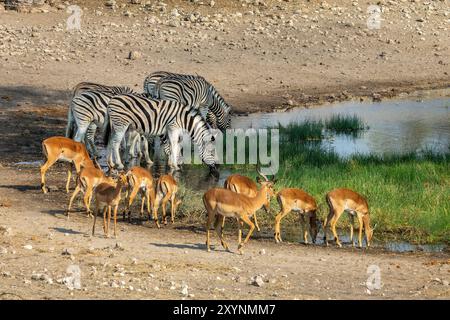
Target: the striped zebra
(156, 117)
(87, 113)
(91, 86)
(192, 91)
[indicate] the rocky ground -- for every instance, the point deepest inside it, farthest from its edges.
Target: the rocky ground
(259, 54)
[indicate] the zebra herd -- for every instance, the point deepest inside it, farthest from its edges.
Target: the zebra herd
(170, 103)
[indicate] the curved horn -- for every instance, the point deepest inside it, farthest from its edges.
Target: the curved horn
(261, 174)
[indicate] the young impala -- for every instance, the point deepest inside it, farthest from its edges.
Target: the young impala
(108, 195)
(87, 180)
(62, 148)
(140, 180)
(221, 203)
(292, 199)
(340, 200)
(245, 186)
(166, 190)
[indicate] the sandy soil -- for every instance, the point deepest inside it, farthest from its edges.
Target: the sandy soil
(260, 57)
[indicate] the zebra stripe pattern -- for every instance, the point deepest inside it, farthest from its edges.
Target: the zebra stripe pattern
(87, 112)
(156, 117)
(192, 91)
(91, 86)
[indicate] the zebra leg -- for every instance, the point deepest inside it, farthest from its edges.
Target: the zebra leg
(90, 140)
(144, 141)
(81, 132)
(113, 147)
(174, 135)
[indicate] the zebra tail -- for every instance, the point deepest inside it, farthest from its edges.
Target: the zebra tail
(106, 130)
(70, 124)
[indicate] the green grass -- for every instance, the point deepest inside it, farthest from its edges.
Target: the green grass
(408, 195)
(339, 123)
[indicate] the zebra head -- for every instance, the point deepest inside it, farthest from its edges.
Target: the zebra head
(208, 151)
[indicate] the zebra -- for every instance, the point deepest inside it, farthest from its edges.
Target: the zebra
(91, 86)
(193, 91)
(156, 117)
(190, 90)
(87, 112)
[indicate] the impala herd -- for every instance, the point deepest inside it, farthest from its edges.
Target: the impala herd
(239, 199)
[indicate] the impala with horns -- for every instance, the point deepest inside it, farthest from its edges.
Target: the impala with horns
(221, 203)
(340, 200)
(107, 196)
(140, 180)
(65, 149)
(166, 191)
(292, 199)
(88, 179)
(246, 186)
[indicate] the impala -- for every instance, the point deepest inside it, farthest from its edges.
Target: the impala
(140, 180)
(340, 200)
(88, 179)
(108, 195)
(166, 190)
(221, 203)
(245, 186)
(292, 199)
(62, 148)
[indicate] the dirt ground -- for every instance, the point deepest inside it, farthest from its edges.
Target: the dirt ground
(261, 56)
(147, 263)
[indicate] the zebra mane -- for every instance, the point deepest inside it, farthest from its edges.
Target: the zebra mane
(219, 98)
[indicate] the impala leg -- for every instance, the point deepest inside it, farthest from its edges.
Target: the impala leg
(69, 175)
(115, 220)
(351, 221)
(95, 218)
(305, 230)
(44, 169)
(256, 222)
(278, 218)
(239, 231)
(208, 226)
(247, 220)
(218, 227)
(333, 223)
(108, 220)
(164, 204)
(87, 200)
(143, 198)
(105, 209)
(173, 207)
(130, 201)
(360, 221)
(74, 194)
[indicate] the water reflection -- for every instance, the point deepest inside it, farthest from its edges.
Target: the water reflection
(395, 126)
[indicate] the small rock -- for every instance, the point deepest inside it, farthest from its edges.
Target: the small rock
(184, 290)
(262, 252)
(5, 231)
(134, 55)
(119, 246)
(257, 281)
(68, 252)
(28, 247)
